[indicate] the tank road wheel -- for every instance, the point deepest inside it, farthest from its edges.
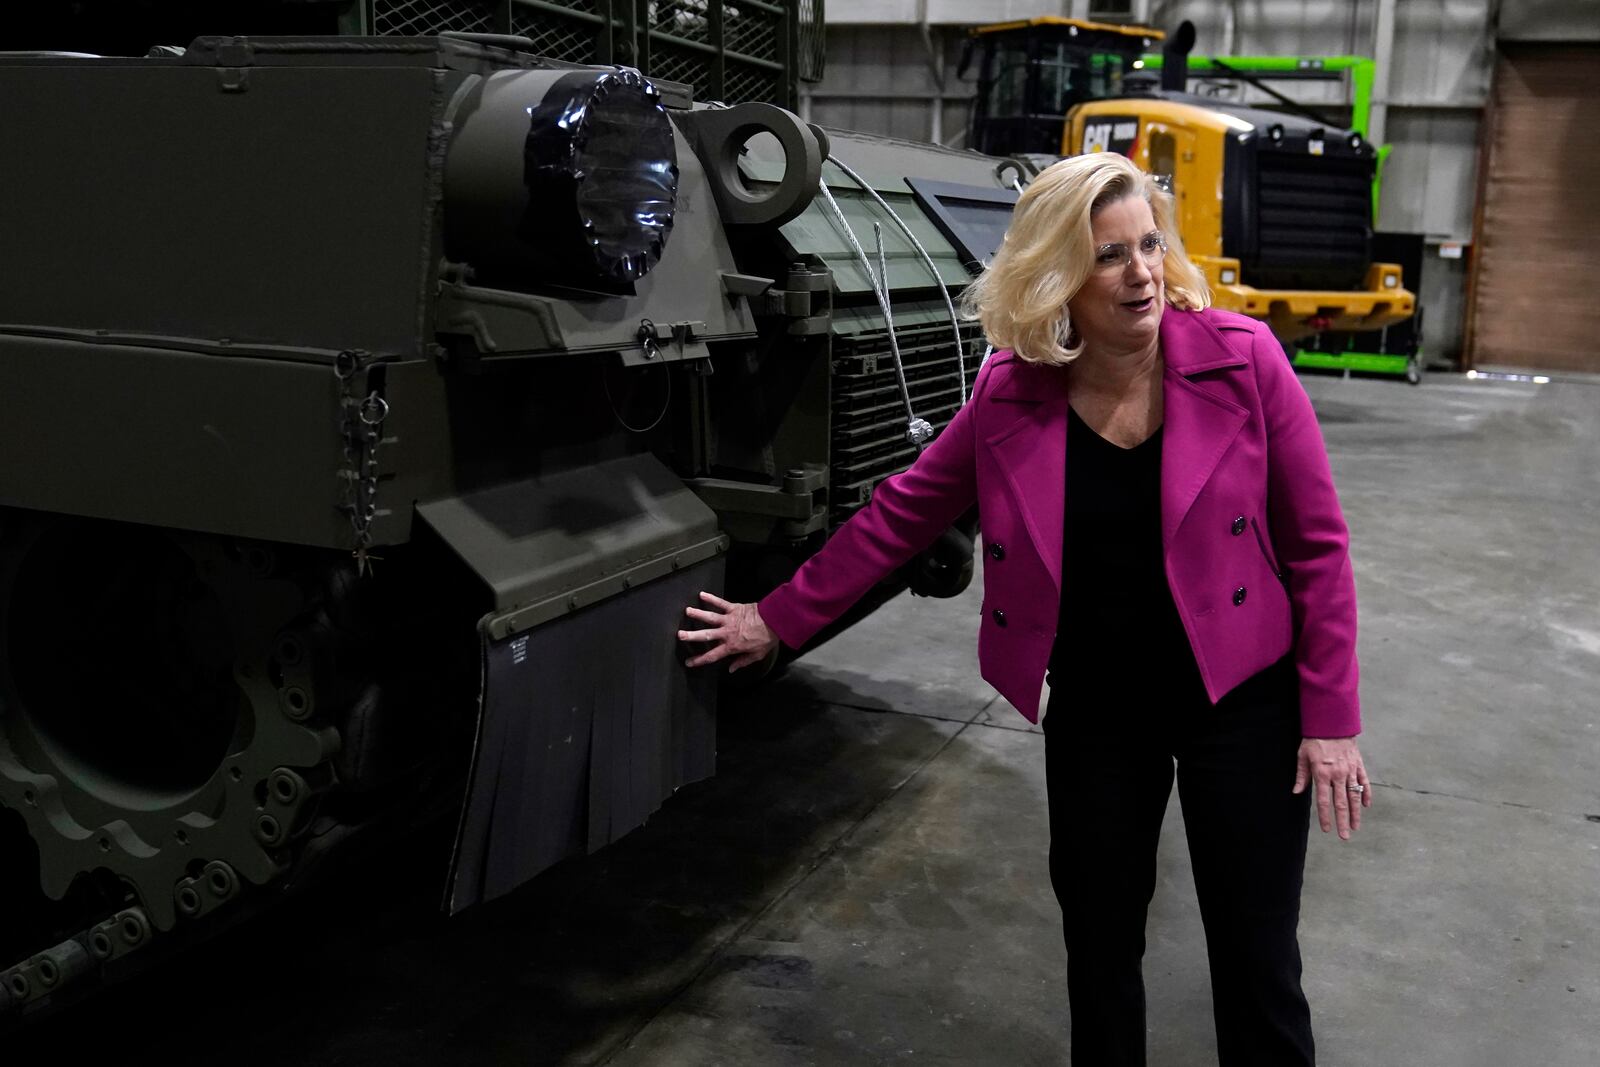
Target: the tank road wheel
(163, 708)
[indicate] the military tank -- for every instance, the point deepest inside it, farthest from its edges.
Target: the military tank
(370, 407)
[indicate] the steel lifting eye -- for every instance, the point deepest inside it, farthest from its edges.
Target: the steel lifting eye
(374, 409)
(647, 339)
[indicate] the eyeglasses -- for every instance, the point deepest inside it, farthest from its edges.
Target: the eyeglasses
(1113, 259)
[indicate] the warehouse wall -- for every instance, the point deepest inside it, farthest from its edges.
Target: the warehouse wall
(1553, 21)
(881, 79)
(891, 70)
(1540, 207)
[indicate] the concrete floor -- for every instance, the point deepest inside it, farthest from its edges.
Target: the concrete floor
(865, 883)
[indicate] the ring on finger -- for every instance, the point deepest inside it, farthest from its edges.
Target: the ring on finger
(1357, 788)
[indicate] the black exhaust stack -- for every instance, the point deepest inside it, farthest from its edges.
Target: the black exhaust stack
(1175, 58)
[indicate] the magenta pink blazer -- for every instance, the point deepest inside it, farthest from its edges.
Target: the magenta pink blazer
(1247, 503)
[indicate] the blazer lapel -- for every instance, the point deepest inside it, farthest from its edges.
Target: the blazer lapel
(1199, 424)
(1032, 454)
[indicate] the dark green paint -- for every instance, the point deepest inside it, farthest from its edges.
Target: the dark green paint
(197, 239)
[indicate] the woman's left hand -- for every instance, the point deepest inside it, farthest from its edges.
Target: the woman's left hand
(1334, 765)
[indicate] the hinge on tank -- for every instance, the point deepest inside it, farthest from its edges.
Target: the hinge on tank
(805, 299)
(794, 508)
(233, 57)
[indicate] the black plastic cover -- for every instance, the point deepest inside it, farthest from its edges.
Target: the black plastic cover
(602, 176)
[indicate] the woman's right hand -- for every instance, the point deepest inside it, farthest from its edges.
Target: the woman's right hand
(736, 630)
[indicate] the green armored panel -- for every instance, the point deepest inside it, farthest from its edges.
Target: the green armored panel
(524, 336)
(554, 543)
(868, 419)
(167, 199)
(242, 446)
(889, 167)
(270, 203)
(816, 233)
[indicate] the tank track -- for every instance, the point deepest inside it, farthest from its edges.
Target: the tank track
(181, 855)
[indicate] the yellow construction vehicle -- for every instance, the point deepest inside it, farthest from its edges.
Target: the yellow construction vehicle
(1275, 207)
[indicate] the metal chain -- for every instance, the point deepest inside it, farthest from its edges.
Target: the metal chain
(361, 426)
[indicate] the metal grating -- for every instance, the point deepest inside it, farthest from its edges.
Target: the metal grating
(681, 45)
(743, 85)
(570, 41)
(419, 18)
(680, 65)
(1315, 221)
(750, 31)
(687, 20)
(869, 420)
(589, 7)
(812, 59)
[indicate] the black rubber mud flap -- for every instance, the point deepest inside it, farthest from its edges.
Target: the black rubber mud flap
(587, 724)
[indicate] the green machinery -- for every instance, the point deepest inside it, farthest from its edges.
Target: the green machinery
(370, 408)
(1359, 71)
(1274, 206)
(1395, 350)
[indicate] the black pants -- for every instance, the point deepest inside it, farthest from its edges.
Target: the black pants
(1109, 768)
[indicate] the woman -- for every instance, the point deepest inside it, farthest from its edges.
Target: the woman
(1163, 538)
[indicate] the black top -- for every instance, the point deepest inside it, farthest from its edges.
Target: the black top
(1118, 624)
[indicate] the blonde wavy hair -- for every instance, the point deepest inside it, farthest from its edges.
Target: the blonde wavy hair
(1048, 253)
